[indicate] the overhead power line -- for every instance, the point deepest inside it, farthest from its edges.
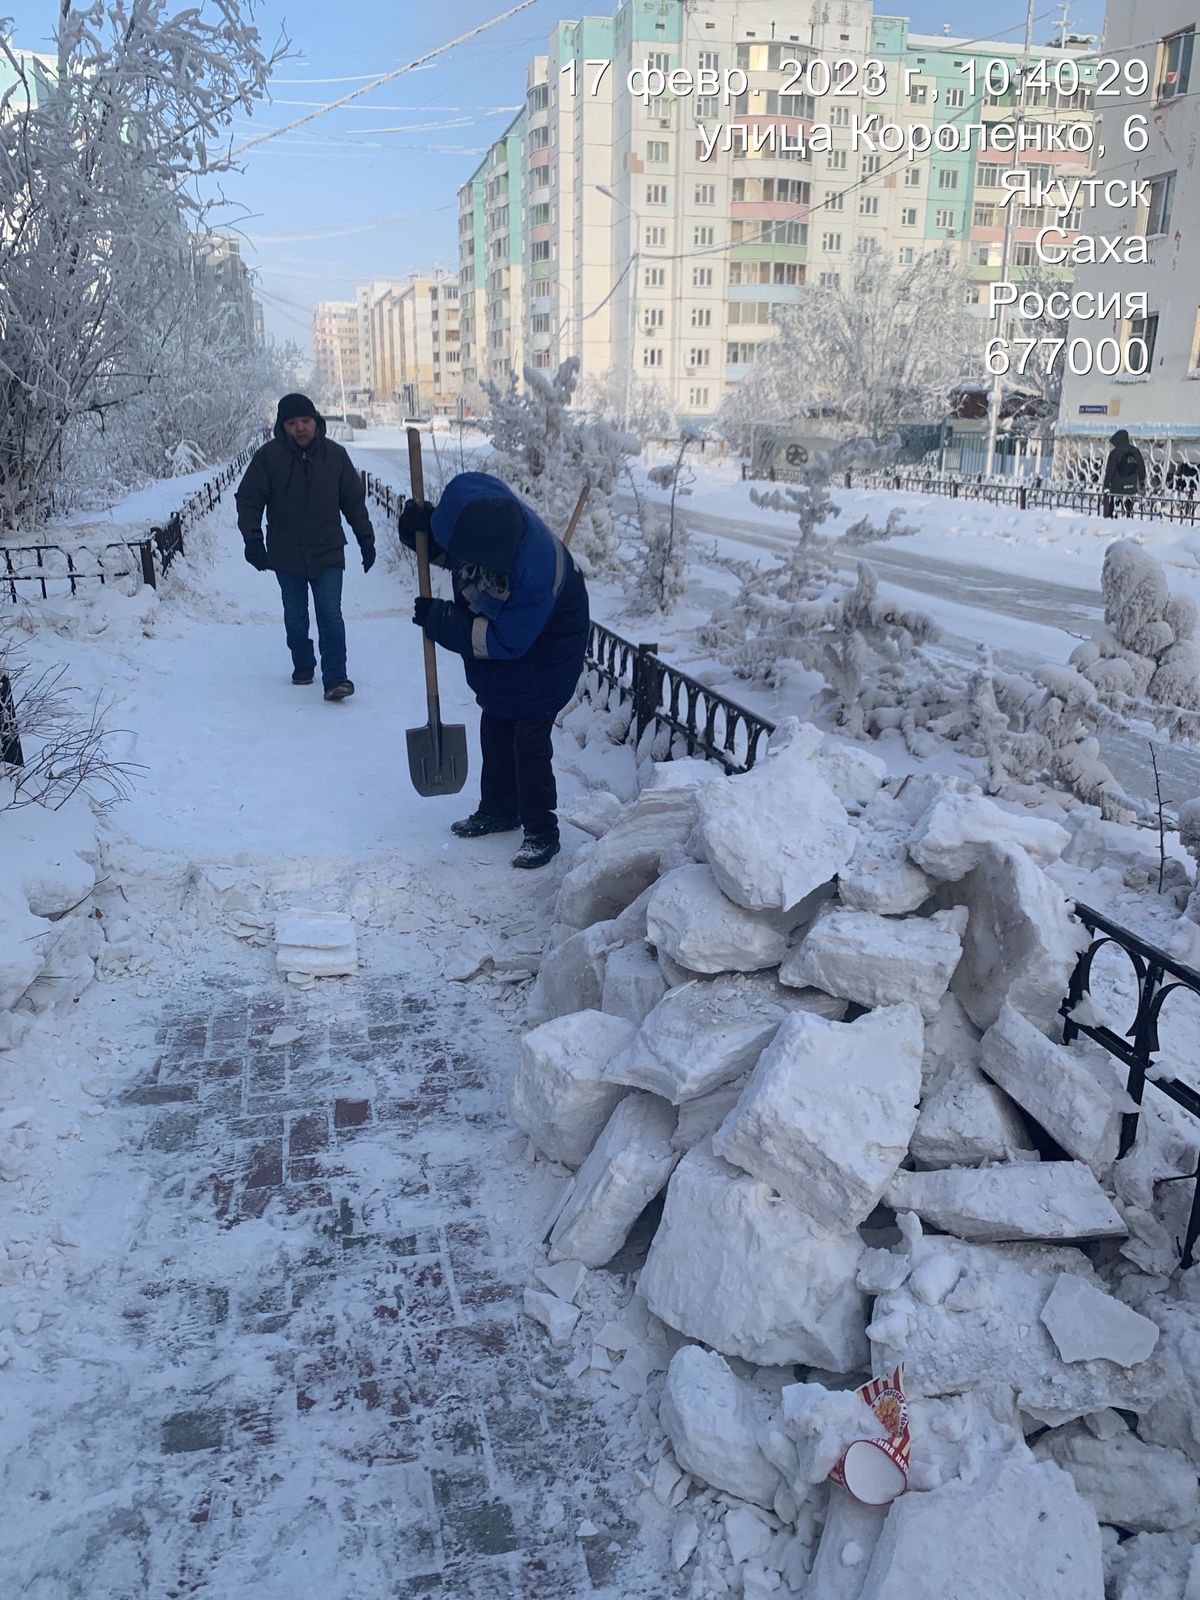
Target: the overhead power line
(386, 77)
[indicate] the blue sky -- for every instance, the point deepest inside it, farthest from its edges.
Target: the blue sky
(370, 191)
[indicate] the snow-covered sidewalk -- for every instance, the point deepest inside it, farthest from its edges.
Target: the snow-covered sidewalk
(265, 1247)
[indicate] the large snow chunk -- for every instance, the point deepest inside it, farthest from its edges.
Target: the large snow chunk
(951, 1040)
(854, 773)
(987, 1325)
(879, 961)
(965, 1120)
(628, 1165)
(1139, 1487)
(1056, 1085)
(949, 839)
(1019, 1529)
(651, 835)
(716, 1423)
(318, 944)
(880, 876)
(776, 833)
(1052, 1200)
(704, 1033)
(735, 1266)
(1021, 941)
(696, 925)
(633, 984)
(1088, 1325)
(828, 1112)
(571, 976)
(22, 943)
(700, 1119)
(52, 854)
(560, 1095)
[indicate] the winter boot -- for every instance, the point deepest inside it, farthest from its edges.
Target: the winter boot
(538, 849)
(479, 823)
(340, 691)
(303, 677)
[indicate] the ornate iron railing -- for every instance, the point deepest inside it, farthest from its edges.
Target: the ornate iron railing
(1158, 977)
(53, 565)
(1032, 492)
(681, 715)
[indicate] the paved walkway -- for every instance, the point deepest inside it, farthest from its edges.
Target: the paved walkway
(312, 1376)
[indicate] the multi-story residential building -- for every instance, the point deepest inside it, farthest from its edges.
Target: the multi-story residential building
(225, 277)
(416, 345)
(366, 298)
(657, 244)
(335, 349)
(1159, 400)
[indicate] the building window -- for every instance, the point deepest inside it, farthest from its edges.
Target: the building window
(697, 397)
(985, 217)
(656, 194)
(702, 317)
(540, 322)
(944, 218)
(947, 178)
(708, 61)
(786, 272)
(1158, 216)
(907, 255)
(658, 150)
(988, 175)
(830, 280)
(836, 161)
(835, 202)
(656, 237)
(981, 255)
(868, 205)
(1024, 255)
(1175, 65)
(658, 59)
(653, 317)
(706, 194)
(655, 278)
(918, 94)
(912, 177)
(839, 116)
(702, 277)
(1145, 329)
(749, 312)
(741, 355)
(539, 138)
(871, 165)
(652, 357)
(831, 241)
(659, 111)
(539, 216)
(703, 237)
(540, 250)
(708, 108)
(699, 358)
(954, 97)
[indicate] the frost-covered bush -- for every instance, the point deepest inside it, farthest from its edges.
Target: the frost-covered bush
(547, 452)
(660, 573)
(807, 611)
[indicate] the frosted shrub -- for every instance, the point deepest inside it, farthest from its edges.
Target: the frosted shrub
(660, 574)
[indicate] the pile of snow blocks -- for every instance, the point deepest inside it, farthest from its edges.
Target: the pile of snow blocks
(812, 1014)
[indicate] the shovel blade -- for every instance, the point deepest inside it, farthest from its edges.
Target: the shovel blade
(437, 758)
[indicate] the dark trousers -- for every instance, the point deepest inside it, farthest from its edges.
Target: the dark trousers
(331, 629)
(518, 771)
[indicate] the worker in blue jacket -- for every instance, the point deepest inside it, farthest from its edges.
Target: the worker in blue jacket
(519, 619)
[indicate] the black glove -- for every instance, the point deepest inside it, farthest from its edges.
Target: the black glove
(256, 554)
(422, 606)
(368, 554)
(417, 517)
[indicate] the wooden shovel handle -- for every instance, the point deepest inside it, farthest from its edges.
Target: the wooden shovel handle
(416, 472)
(576, 514)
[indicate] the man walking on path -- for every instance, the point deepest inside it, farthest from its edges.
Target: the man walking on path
(306, 483)
(1124, 475)
(519, 619)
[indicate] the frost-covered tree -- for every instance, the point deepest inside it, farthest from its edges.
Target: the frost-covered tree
(616, 396)
(806, 610)
(99, 198)
(660, 574)
(547, 452)
(861, 352)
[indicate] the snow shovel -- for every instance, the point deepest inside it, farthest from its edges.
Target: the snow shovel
(437, 753)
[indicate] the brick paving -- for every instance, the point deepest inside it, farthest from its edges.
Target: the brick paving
(336, 1392)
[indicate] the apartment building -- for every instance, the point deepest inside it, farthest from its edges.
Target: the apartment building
(335, 350)
(1159, 405)
(654, 245)
(414, 339)
(221, 271)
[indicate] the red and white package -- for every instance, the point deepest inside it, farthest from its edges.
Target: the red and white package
(875, 1470)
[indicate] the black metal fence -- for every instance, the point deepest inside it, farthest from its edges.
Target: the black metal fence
(46, 568)
(688, 717)
(1033, 493)
(1158, 977)
(11, 754)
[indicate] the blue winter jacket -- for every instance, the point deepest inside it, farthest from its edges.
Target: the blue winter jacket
(520, 613)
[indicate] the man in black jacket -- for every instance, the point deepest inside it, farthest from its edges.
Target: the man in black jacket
(306, 483)
(1124, 475)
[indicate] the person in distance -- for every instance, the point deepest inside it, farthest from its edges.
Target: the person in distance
(1124, 475)
(306, 483)
(519, 619)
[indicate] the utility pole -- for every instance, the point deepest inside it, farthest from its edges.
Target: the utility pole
(995, 399)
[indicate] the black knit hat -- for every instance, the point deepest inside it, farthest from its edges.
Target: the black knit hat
(293, 406)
